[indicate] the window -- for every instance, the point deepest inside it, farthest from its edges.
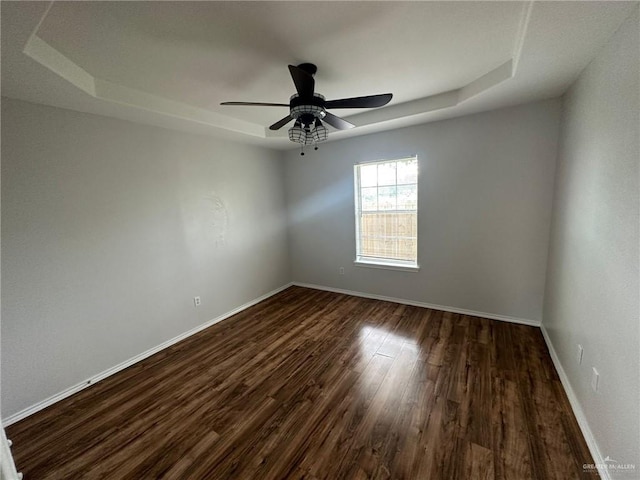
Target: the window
(387, 213)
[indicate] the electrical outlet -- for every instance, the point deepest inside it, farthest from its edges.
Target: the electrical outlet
(595, 378)
(341, 271)
(196, 301)
(579, 355)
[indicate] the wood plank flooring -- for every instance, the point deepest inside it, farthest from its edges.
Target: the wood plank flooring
(317, 385)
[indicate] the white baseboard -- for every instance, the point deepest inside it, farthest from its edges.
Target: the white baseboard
(127, 363)
(492, 316)
(7, 466)
(577, 409)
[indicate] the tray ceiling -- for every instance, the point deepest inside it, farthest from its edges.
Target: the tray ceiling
(172, 63)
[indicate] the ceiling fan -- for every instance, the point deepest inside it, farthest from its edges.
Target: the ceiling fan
(309, 109)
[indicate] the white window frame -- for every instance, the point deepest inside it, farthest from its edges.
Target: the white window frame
(377, 262)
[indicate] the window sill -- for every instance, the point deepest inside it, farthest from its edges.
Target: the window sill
(387, 266)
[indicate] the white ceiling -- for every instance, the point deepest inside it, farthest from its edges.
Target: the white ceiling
(172, 63)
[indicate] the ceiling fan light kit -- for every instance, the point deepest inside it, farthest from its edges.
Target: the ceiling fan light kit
(320, 133)
(309, 109)
(298, 134)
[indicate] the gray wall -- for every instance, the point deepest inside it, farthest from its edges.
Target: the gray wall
(110, 228)
(592, 286)
(485, 193)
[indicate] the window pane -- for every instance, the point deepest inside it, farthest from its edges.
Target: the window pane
(378, 224)
(408, 171)
(368, 175)
(407, 225)
(369, 198)
(407, 197)
(390, 248)
(386, 198)
(387, 173)
(407, 249)
(372, 247)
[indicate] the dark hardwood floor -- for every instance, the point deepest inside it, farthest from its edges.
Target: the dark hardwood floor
(317, 385)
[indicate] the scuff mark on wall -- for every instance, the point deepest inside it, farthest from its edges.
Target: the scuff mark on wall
(219, 219)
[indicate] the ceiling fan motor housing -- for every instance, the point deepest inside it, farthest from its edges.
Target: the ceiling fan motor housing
(306, 110)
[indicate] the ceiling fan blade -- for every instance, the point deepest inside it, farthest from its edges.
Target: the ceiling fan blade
(337, 122)
(281, 123)
(256, 104)
(370, 101)
(303, 81)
